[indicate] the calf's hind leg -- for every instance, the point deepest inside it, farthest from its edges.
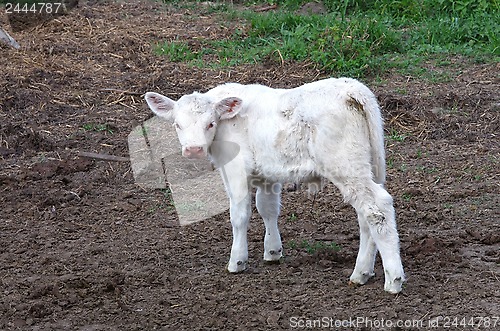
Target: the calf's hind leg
(377, 223)
(365, 262)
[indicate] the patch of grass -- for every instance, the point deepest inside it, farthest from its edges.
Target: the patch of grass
(292, 244)
(202, 6)
(166, 203)
(426, 170)
(402, 91)
(390, 163)
(354, 38)
(448, 206)
(396, 136)
(293, 217)
(406, 197)
(420, 168)
(176, 51)
(478, 177)
(312, 247)
(432, 170)
(97, 127)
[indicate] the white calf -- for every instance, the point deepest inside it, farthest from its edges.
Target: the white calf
(330, 129)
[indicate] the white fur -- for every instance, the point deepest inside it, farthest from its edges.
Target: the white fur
(329, 129)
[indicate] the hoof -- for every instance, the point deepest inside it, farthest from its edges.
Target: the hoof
(395, 286)
(273, 256)
(237, 267)
(361, 278)
(352, 284)
(394, 281)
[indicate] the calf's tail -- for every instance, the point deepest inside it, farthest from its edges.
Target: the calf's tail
(363, 99)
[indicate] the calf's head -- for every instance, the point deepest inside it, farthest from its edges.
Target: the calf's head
(195, 118)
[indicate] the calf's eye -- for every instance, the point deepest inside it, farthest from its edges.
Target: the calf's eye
(211, 125)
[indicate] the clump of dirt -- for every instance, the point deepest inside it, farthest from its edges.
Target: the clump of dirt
(312, 8)
(82, 247)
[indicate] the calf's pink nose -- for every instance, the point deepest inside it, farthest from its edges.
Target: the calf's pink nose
(194, 152)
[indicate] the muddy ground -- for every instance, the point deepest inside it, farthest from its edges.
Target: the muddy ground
(82, 247)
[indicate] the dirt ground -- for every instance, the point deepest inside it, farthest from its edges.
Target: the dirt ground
(82, 247)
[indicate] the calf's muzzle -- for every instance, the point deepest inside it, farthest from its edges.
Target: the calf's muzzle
(194, 152)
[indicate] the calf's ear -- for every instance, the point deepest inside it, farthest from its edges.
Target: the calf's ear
(228, 107)
(160, 104)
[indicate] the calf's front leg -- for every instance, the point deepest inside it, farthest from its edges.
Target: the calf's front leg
(236, 182)
(240, 216)
(267, 201)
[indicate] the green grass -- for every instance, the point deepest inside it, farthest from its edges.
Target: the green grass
(355, 38)
(312, 247)
(165, 203)
(406, 197)
(390, 162)
(177, 51)
(97, 127)
(293, 217)
(396, 136)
